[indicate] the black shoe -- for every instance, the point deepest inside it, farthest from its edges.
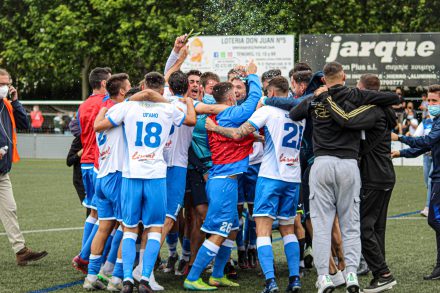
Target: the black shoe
(230, 271)
(171, 264)
(181, 267)
(435, 275)
(252, 258)
(242, 260)
(127, 287)
(144, 287)
(381, 284)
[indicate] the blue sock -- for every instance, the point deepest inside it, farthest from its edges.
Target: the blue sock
(150, 255)
(265, 256)
(107, 247)
(113, 253)
(222, 258)
(85, 251)
(94, 264)
(118, 271)
(186, 249)
(172, 239)
(128, 254)
(205, 255)
(252, 233)
(88, 227)
(239, 239)
(291, 249)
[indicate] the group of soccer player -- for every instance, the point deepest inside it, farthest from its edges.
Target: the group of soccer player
(178, 156)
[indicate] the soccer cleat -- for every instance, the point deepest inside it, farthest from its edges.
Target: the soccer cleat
(154, 284)
(114, 287)
(252, 258)
(325, 284)
(270, 287)
(171, 263)
(352, 283)
(308, 258)
(91, 286)
(380, 284)
(230, 270)
(104, 276)
(181, 267)
(242, 260)
(26, 255)
(338, 279)
(144, 287)
(222, 282)
(127, 287)
(294, 284)
(80, 264)
(198, 285)
(435, 275)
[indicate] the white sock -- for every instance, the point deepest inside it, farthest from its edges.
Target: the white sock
(92, 278)
(108, 267)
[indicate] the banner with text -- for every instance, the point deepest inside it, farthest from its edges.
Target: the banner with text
(401, 59)
(221, 53)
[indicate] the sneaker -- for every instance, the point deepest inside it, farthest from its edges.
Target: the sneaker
(294, 284)
(198, 285)
(144, 287)
(308, 258)
(242, 259)
(435, 275)
(80, 264)
(230, 271)
(26, 255)
(114, 287)
(380, 284)
(171, 263)
(154, 284)
(425, 212)
(338, 279)
(252, 258)
(270, 287)
(92, 286)
(127, 287)
(325, 284)
(222, 282)
(352, 283)
(183, 264)
(363, 268)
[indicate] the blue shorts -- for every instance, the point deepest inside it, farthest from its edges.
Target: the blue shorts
(247, 183)
(143, 200)
(89, 176)
(222, 216)
(176, 182)
(108, 196)
(276, 199)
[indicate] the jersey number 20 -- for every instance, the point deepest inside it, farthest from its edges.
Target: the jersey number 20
(289, 140)
(152, 134)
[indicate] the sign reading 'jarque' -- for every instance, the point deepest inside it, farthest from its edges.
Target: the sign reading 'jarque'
(399, 59)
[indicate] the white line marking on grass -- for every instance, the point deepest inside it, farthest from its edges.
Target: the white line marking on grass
(407, 218)
(48, 230)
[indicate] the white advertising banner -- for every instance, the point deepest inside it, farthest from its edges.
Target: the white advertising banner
(221, 53)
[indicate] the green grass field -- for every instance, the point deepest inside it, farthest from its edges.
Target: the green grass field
(46, 200)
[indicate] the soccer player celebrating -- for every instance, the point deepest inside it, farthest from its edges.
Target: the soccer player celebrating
(229, 159)
(279, 178)
(87, 113)
(143, 191)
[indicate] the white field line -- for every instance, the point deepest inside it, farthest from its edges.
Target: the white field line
(48, 230)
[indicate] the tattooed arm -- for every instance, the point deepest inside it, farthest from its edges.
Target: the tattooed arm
(235, 133)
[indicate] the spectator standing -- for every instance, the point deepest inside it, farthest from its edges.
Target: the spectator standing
(58, 123)
(424, 106)
(12, 116)
(37, 119)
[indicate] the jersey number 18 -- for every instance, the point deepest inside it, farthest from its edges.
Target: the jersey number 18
(152, 134)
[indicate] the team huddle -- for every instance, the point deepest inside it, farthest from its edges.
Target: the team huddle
(182, 154)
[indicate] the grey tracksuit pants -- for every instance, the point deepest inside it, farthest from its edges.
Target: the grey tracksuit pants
(335, 188)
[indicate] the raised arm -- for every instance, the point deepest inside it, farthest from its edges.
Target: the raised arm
(178, 64)
(178, 44)
(235, 133)
(148, 95)
(102, 123)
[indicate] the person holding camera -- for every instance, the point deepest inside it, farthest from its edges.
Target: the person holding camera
(12, 116)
